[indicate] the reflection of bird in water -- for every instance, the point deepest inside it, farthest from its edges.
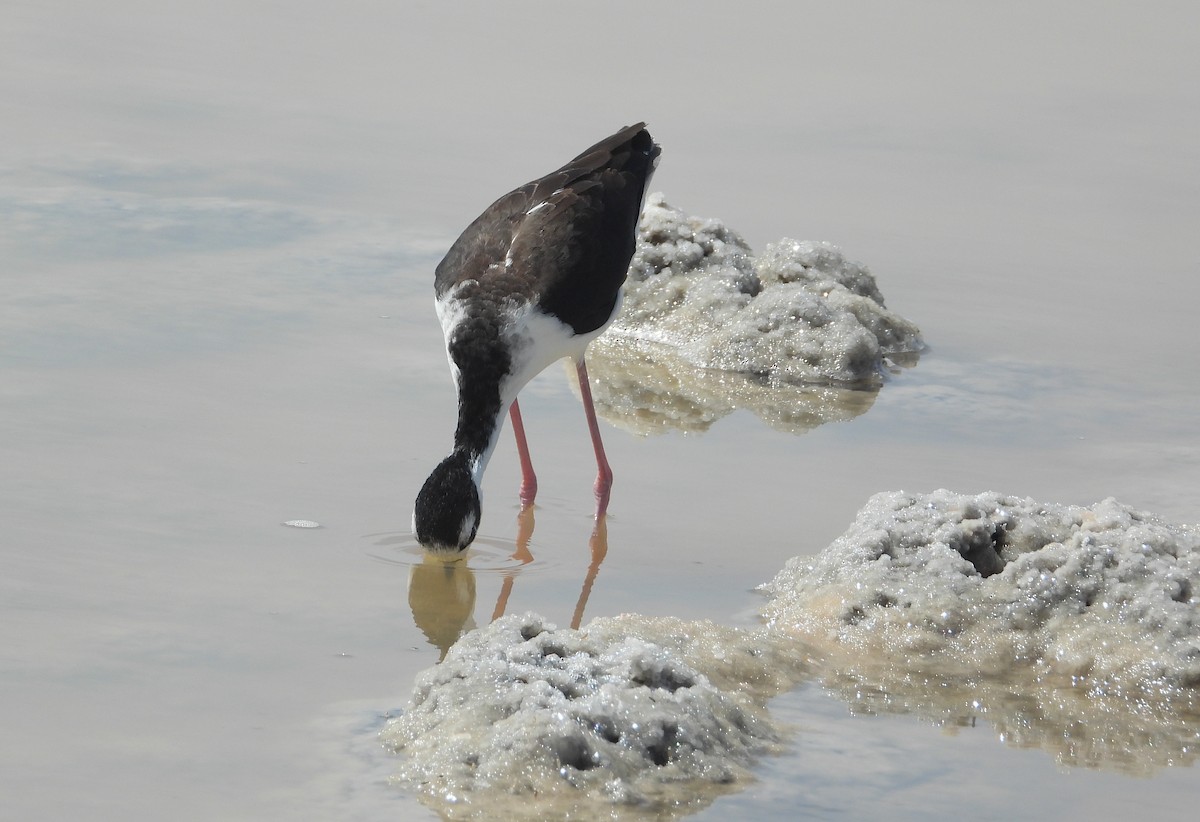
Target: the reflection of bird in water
(532, 280)
(441, 594)
(598, 544)
(522, 555)
(441, 591)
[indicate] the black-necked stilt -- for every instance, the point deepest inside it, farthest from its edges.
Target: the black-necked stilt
(534, 279)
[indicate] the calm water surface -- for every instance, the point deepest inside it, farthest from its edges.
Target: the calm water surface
(217, 233)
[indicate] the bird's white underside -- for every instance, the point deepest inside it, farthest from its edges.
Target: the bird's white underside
(535, 340)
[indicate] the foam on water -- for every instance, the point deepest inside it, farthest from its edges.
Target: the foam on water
(798, 312)
(654, 713)
(1104, 598)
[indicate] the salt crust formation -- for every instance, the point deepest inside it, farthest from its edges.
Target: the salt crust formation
(1072, 629)
(618, 714)
(1107, 595)
(798, 312)
(797, 335)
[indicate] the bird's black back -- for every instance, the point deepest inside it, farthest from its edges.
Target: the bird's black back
(562, 241)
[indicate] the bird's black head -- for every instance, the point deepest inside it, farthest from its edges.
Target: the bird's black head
(446, 515)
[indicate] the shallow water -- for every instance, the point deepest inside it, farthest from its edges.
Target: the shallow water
(217, 233)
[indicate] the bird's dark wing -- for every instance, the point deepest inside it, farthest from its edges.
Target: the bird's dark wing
(565, 239)
(484, 242)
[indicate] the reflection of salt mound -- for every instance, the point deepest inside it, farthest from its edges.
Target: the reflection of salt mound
(593, 716)
(799, 312)
(1105, 599)
(649, 388)
(1077, 727)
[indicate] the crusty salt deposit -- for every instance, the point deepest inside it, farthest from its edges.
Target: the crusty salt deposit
(1071, 629)
(632, 711)
(798, 312)
(1074, 630)
(1105, 599)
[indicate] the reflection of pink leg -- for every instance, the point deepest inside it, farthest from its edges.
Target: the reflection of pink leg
(528, 478)
(522, 555)
(604, 475)
(599, 546)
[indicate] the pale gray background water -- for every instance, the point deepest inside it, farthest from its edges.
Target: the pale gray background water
(217, 232)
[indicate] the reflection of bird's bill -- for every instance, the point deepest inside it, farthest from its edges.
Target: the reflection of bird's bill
(441, 594)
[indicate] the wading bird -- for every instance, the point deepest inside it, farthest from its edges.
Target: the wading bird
(534, 279)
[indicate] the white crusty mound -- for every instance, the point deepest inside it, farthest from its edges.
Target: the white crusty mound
(798, 312)
(597, 716)
(1106, 597)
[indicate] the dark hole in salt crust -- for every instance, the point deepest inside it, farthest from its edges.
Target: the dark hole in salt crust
(574, 753)
(658, 754)
(1183, 591)
(660, 750)
(666, 678)
(983, 550)
(607, 730)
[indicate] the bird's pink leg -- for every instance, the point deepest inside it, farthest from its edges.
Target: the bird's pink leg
(528, 478)
(604, 474)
